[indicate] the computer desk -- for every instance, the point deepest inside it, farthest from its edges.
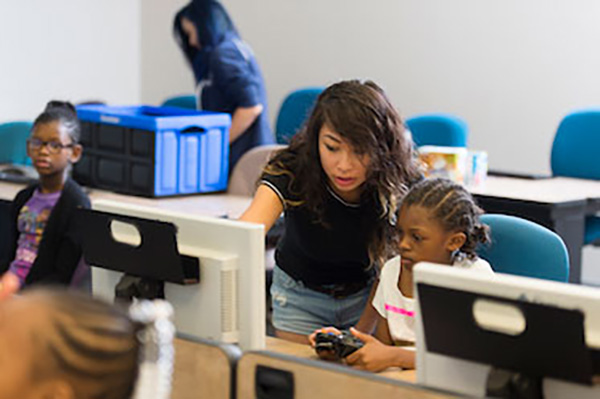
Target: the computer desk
(217, 205)
(305, 351)
(214, 205)
(288, 370)
(560, 204)
(204, 369)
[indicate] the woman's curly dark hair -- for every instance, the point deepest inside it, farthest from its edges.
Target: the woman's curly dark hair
(361, 113)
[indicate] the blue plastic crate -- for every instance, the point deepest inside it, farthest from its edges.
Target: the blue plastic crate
(153, 151)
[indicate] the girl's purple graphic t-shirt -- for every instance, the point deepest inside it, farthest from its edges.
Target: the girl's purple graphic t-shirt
(30, 224)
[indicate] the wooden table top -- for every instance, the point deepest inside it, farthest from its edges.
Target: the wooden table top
(305, 351)
(217, 205)
(550, 190)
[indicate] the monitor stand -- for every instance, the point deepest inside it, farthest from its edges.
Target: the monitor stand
(502, 383)
(130, 287)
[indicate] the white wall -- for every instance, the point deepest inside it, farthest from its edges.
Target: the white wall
(67, 49)
(164, 70)
(511, 69)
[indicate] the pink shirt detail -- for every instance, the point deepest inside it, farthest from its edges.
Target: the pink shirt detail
(398, 310)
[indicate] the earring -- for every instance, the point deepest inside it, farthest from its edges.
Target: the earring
(456, 256)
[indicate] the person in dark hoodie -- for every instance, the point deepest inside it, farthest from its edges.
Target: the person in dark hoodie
(227, 75)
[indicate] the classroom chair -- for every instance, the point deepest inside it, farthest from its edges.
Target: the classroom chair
(438, 129)
(524, 248)
(294, 111)
(246, 172)
(13, 136)
(265, 375)
(575, 154)
(184, 101)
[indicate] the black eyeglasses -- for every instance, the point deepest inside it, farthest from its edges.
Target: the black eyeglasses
(54, 147)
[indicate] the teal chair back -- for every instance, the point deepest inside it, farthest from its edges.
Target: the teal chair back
(13, 142)
(294, 111)
(575, 154)
(524, 248)
(576, 144)
(185, 101)
(438, 129)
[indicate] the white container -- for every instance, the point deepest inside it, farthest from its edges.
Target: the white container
(447, 162)
(477, 169)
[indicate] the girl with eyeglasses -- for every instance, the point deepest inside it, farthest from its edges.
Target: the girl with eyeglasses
(45, 237)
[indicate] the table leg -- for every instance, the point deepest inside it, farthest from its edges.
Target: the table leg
(570, 225)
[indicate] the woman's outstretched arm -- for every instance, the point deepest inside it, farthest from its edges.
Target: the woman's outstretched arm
(264, 209)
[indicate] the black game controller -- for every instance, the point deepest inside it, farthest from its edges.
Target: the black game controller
(330, 346)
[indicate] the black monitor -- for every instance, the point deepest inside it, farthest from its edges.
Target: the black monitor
(154, 260)
(506, 336)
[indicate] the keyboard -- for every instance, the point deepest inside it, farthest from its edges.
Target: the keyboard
(13, 178)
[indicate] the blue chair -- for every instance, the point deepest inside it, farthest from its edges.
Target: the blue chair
(186, 101)
(294, 110)
(524, 248)
(575, 154)
(438, 129)
(13, 136)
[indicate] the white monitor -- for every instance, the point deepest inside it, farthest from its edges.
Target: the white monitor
(470, 324)
(228, 304)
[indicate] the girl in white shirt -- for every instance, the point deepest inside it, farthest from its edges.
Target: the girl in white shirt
(438, 222)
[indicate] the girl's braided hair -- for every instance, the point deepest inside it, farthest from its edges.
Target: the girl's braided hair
(453, 206)
(104, 351)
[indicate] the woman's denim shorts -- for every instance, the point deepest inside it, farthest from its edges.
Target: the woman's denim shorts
(300, 310)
